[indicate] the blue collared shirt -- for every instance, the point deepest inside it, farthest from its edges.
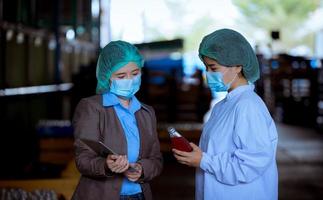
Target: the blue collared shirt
(239, 144)
(129, 124)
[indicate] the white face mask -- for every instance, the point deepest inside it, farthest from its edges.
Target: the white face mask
(126, 88)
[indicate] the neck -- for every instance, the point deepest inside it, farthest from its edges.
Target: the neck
(240, 80)
(124, 102)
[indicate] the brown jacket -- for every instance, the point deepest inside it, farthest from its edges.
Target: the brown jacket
(93, 121)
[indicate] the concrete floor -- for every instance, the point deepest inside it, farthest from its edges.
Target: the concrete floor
(300, 165)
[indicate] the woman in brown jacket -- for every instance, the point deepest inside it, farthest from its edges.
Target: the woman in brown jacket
(116, 118)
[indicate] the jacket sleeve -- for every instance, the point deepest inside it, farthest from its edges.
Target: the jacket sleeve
(255, 149)
(86, 126)
(153, 164)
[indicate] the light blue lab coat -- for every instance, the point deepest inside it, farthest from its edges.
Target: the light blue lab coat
(239, 144)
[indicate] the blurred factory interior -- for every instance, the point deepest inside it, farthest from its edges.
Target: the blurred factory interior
(48, 54)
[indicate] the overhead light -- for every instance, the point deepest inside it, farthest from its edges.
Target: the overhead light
(9, 35)
(38, 41)
(70, 34)
(95, 8)
(20, 38)
(51, 44)
(36, 89)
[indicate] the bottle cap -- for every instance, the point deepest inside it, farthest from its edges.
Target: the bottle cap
(172, 132)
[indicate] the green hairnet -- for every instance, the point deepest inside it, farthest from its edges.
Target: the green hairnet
(114, 56)
(230, 48)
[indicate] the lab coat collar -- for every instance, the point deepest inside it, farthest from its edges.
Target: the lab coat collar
(239, 90)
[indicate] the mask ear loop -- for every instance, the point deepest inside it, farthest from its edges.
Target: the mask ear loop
(231, 80)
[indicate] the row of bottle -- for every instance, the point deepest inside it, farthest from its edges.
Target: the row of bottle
(30, 60)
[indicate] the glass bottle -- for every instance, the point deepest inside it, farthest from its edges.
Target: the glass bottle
(178, 141)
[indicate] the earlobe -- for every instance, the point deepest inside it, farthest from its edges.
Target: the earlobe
(238, 69)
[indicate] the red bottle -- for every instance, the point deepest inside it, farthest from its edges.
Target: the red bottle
(178, 141)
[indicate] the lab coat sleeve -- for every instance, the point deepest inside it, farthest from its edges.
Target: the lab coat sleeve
(254, 152)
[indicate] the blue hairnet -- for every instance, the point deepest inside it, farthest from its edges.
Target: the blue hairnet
(230, 48)
(114, 56)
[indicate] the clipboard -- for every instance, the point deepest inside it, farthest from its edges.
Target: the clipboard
(102, 150)
(98, 147)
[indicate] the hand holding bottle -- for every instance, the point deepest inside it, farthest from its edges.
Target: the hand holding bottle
(192, 158)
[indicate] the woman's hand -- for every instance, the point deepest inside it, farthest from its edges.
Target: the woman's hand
(117, 163)
(192, 158)
(134, 172)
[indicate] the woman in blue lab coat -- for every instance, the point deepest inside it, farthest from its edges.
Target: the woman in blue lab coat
(236, 156)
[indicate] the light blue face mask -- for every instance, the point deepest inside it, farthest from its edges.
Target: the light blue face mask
(215, 82)
(125, 88)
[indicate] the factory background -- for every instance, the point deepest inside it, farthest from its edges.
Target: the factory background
(48, 55)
